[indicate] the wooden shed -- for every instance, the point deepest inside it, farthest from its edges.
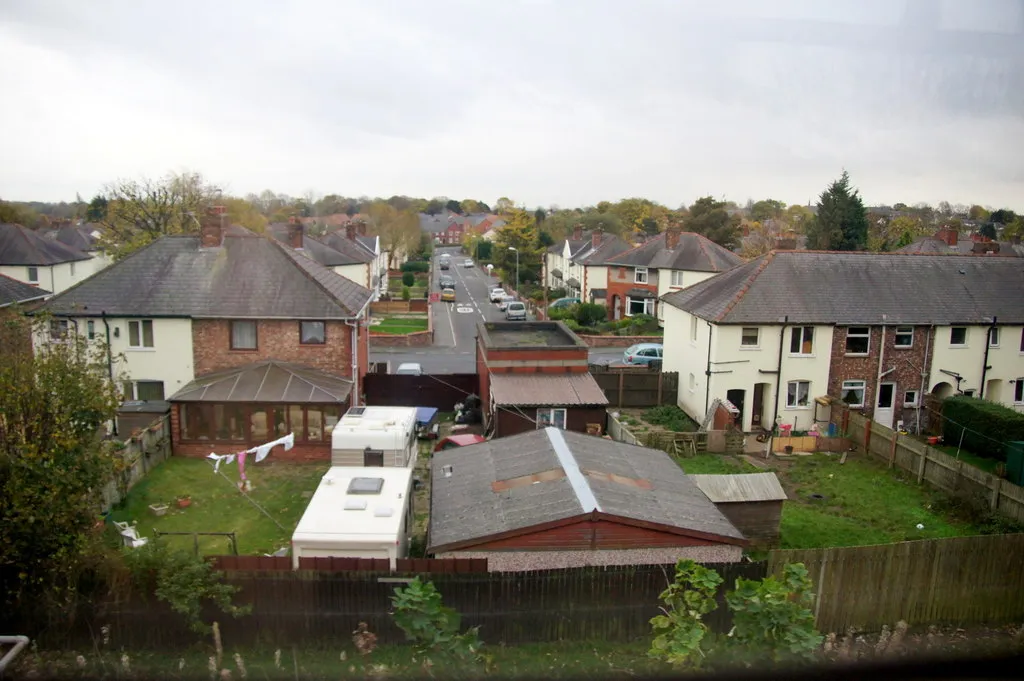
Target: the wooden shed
(751, 501)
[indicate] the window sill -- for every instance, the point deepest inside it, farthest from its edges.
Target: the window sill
(244, 350)
(807, 408)
(313, 345)
(958, 347)
(857, 354)
(140, 349)
(903, 347)
(749, 347)
(802, 356)
(909, 406)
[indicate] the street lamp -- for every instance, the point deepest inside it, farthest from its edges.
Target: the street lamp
(513, 248)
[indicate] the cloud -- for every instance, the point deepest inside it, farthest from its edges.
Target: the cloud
(550, 102)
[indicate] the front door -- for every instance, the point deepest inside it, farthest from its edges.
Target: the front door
(757, 406)
(884, 410)
(616, 308)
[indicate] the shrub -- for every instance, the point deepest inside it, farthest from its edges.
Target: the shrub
(679, 632)
(416, 266)
(671, 417)
(556, 293)
(406, 293)
(408, 278)
(589, 314)
(572, 324)
(563, 313)
(983, 425)
(430, 625)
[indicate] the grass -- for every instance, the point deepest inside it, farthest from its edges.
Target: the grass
(987, 465)
(398, 325)
(715, 464)
(283, 489)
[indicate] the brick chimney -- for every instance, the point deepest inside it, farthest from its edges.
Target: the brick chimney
(296, 232)
(949, 235)
(350, 230)
(672, 238)
(596, 237)
(577, 233)
(211, 232)
(361, 227)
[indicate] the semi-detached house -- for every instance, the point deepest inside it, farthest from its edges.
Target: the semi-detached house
(50, 264)
(349, 252)
(883, 332)
(578, 264)
(247, 338)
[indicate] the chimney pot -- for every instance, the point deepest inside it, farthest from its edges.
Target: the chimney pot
(596, 237)
(211, 227)
(672, 238)
(296, 233)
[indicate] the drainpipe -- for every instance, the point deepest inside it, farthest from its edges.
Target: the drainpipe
(355, 362)
(707, 375)
(925, 363)
(778, 373)
(110, 357)
(878, 379)
(984, 363)
(53, 282)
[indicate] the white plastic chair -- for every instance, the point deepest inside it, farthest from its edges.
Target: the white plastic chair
(130, 535)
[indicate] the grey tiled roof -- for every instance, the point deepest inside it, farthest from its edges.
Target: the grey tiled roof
(694, 253)
(249, 277)
(354, 252)
(13, 291)
(610, 247)
(81, 237)
(813, 287)
(267, 381)
(21, 246)
(320, 252)
(465, 508)
(933, 246)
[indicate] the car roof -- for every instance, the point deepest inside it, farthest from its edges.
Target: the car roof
(647, 345)
(409, 365)
(466, 439)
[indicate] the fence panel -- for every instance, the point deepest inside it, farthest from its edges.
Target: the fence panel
(441, 392)
(627, 387)
(142, 452)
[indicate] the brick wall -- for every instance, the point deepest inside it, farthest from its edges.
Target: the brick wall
(276, 339)
(906, 365)
(620, 281)
(417, 339)
(300, 452)
(618, 341)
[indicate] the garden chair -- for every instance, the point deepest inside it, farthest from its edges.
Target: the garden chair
(130, 535)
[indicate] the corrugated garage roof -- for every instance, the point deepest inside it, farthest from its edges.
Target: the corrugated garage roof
(543, 390)
(740, 487)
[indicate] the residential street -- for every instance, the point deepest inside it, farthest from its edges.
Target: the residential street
(455, 324)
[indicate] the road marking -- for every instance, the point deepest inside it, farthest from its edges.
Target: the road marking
(463, 309)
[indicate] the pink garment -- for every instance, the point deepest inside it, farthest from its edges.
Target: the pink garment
(241, 464)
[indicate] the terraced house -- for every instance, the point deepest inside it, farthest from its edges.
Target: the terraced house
(247, 338)
(887, 333)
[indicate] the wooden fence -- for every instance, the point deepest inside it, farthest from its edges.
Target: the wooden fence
(441, 391)
(627, 387)
(383, 307)
(931, 466)
(962, 581)
(142, 452)
(336, 564)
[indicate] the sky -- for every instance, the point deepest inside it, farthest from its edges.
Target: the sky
(549, 102)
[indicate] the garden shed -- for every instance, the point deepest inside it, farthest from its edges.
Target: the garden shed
(751, 501)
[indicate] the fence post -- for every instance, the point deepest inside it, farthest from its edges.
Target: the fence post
(867, 436)
(660, 376)
(924, 461)
(622, 378)
(892, 449)
(997, 487)
(959, 473)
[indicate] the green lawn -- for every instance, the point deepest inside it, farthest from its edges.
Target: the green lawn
(715, 464)
(400, 325)
(282, 488)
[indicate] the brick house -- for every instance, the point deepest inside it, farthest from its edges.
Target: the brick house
(241, 334)
(535, 374)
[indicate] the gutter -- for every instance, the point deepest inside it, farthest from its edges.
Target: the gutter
(878, 378)
(984, 363)
(926, 365)
(355, 324)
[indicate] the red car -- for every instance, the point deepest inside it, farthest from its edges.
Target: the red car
(453, 441)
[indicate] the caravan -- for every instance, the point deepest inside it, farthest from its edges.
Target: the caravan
(375, 436)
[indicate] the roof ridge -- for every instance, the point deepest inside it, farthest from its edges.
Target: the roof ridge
(611, 261)
(290, 254)
(580, 487)
(746, 285)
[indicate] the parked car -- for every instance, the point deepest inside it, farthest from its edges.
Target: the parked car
(515, 311)
(563, 303)
(448, 295)
(642, 354)
(468, 262)
(445, 262)
(446, 281)
(409, 369)
(504, 302)
(497, 294)
(453, 441)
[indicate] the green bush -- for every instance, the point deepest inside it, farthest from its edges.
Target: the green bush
(408, 278)
(563, 313)
(589, 314)
(556, 293)
(416, 266)
(672, 417)
(572, 324)
(406, 293)
(983, 424)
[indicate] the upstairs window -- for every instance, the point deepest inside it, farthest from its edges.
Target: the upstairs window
(677, 278)
(801, 340)
(858, 340)
(693, 329)
(312, 333)
(750, 337)
(243, 335)
(33, 275)
(140, 333)
(640, 275)
(904, 337)
(958, 336)
(993, 337)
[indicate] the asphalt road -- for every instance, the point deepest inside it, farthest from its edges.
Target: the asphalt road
(454, 351)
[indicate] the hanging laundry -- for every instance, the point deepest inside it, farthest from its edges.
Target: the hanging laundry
(219, 459)
(262, 451)
(241, 464)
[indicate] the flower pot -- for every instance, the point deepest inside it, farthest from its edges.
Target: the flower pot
(158, 509)
(789, 449)
(934, 440)
(184, 502)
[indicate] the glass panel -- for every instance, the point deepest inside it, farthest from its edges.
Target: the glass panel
(312, 333)
(235, 416)
(559, 418)
(150, 390)
(331, 417)
(314, 424)
(794, 342)
(280, 422)
(243, 335)
(147, 334)
(295, 420)
(258, 425)
(133, 334)
(808, 340)
(196, 422)
(90, 328)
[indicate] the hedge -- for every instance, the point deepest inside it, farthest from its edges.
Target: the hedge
(416, 266)
(983, 422)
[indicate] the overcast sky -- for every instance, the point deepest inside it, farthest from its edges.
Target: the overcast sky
(545, 101)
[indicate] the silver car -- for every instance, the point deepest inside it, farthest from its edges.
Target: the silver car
(515, 311)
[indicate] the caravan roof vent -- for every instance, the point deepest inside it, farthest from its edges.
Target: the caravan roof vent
(355, 505)
(366, 485)
(355, 411)
(383, 512)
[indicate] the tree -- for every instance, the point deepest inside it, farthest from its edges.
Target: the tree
(540, 215)
(944, 209)
(797, 218)
(710, 217)
(504, 206)
(767, 209)
(434, 206)
(1003, 216)
(399, 230)
(13, 214)
(520, 232)
(469, 206)
(562, 223)
(841, 223)
(642, 216)
(977, 212)
(889, 235)
(1015, 229)
(54, 403)
(453, 206)
(141, 211)
(988, 230)
(97, 209)
(758, 241)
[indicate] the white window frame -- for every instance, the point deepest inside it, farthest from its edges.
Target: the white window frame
(795, 404)
(803, 330)
(134, 396)
(908, 403)
(29, 275)
(1018, 391)
(903, 331)
(647, 303)
(678, 277)
(757, 337)
(637, 272)
(958, 345)
(850, 334)
(853, 385)
(90, 329)
(993, 337)
(141, 325)
(549, 416)
(693, 329)
(59, 331)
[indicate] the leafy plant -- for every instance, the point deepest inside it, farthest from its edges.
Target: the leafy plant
(408, 278)
(773, 616)
(589, 314)
(416, 266)
(183, 581)
(671, 417)
(430, 625)
(680, 631)
(406, 293)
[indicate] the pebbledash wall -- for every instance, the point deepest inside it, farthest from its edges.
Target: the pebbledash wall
(275, 339)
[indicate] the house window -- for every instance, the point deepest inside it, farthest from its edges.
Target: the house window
(858, 340)
(229, 422)
(693, 329)
(904, 337)
(993, 337)
(969, 393)
(798, 394)
(635, 306)
(551, 417)
(677, 278)
(243, 335)
(1022, 340)
(197, 422)
(140, 333)
(853, 393)
(958, 335)
(373, 458)
(801, 341)
(33, 275)
(148, 391)
(312, 333)
(1018, 391)
(910, 398)
(640, 275)
(750, 337)
(90, 330)
(58, 329)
